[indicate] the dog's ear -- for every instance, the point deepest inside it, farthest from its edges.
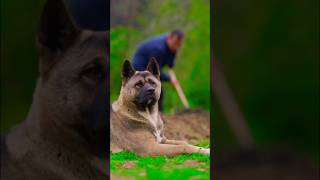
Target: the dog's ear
(127, 70)
(57, 29)
(153, 67)
(55, 34)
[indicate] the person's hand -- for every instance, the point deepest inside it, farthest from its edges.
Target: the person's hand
(173, 78)
(173, 81)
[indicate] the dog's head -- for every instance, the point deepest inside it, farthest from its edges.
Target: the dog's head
(72, 87)
(142, 88)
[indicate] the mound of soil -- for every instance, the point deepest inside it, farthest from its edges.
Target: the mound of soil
(187, 124)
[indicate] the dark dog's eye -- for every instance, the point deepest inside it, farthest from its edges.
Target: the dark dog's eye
(93, 72)
(152, 83)
(139, 84)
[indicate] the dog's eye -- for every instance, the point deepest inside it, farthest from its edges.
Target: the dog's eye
(152, 83)
(93, 72)
(139, 84)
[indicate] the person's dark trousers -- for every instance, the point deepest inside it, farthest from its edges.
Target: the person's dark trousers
(160, 102)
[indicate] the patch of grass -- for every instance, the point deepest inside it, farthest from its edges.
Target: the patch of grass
(162, 167)
(203, 143)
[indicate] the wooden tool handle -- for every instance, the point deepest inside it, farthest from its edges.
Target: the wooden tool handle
(179, 89)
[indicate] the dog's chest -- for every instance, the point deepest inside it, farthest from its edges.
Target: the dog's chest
(156, 125)
(157, 131)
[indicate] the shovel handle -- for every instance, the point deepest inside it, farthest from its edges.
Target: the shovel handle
(179, 89)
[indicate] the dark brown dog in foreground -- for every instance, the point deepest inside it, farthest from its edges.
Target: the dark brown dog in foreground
(65, 133)
(135, 123)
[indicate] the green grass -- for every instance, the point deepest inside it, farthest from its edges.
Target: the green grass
(160, 167)
(187, 166)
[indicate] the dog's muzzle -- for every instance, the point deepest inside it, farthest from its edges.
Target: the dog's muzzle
(146, 97)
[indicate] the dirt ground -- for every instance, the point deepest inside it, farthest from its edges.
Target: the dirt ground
(187, 124)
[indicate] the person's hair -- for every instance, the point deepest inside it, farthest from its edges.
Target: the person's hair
(178, 33)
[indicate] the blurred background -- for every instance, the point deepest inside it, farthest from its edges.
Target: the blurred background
(135, 21)
(268, 53)
(19, 61)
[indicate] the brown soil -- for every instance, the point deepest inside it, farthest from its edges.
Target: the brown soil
(192, 163)
(187, 124)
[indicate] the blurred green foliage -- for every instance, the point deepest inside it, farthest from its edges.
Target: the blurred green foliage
(193, 61)
(19, 63)
(269, 51)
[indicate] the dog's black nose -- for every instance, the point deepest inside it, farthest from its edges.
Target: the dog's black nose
(150, 90)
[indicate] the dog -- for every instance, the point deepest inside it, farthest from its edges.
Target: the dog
(135, 122)
(65, 134)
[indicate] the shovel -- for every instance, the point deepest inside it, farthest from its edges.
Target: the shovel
(178, 89)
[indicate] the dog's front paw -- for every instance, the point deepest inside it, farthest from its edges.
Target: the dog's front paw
(205, 151)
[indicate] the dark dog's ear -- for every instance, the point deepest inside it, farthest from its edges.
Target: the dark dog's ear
(153, 67)
(127, 70)
(56, 30)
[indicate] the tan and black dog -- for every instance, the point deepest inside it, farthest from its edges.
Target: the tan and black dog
(135, 122)
(65, 133)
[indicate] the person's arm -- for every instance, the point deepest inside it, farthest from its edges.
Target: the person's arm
(171, 62)
(172, 77)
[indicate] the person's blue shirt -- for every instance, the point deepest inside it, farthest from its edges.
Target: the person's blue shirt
(154, 47)
(90, 14)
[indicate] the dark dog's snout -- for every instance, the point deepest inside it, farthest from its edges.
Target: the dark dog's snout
(146, 96)
(150, 90)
